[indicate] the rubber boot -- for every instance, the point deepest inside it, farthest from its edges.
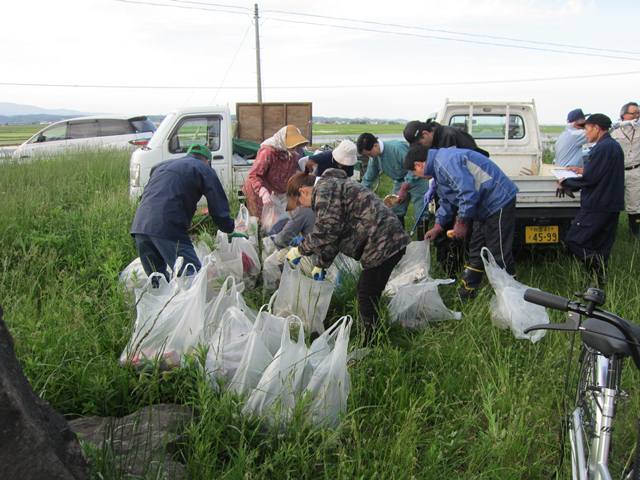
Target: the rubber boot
(634, 225)
(471, 279)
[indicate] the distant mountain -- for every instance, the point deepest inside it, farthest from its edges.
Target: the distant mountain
(12, 109)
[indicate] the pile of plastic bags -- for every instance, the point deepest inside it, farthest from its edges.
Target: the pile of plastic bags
(509, 309)
(415, 300)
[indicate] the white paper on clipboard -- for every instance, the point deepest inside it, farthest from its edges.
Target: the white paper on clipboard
(563, 173)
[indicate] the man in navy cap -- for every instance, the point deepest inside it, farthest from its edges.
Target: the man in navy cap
(569, 143)
(601, 186)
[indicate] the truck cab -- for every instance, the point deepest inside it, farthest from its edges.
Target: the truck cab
(509, 131)
(180, 129)
(213, 126)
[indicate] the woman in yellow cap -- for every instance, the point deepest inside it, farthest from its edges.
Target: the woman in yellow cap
(276, 162)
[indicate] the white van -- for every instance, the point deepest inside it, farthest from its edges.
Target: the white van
(87, 133)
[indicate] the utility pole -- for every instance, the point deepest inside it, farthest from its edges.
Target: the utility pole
(258, 53)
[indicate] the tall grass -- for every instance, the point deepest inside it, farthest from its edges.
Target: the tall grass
(460, 399)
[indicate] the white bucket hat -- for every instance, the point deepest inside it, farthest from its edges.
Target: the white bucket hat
(346, 153)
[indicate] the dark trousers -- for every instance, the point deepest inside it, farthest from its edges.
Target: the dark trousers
(157, 253)
(591, 235)
(495, 233)
(370, 287)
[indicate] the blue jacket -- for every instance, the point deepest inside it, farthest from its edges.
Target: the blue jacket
(468, 181)
(325, 160)
(172, 194)
(602, 183)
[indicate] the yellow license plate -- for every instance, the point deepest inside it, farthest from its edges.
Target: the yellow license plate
(546, 234)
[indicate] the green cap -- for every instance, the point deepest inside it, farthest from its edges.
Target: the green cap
(200, 149)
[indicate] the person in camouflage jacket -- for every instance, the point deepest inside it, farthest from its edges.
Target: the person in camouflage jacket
(351, 219)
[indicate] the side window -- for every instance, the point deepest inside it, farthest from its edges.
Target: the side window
(86, 129)
(51, 134)
(205, 130)
(142, 124)
(490, 126)
(110, 127)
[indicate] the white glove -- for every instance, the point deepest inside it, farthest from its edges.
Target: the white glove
(265, 196)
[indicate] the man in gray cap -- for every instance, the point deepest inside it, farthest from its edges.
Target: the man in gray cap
(601, 186)
(628, 136)
(569, 144)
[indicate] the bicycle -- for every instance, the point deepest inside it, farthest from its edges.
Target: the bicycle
(607, 340)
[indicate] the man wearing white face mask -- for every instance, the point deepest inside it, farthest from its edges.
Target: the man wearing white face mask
(275, 163)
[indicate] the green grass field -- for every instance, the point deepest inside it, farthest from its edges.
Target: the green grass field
(460, 399)
(16, 134)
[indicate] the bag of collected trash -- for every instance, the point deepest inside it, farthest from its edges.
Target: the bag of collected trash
(330, 384)
(279, 387)
(170, 318)
(274, 213)
(416, 304)
(243, 249)
(262, 343)
(320, 348)
(412, 267)
(272, 269)
(304, 297)
(508, 306)
(343, 266)
(247, 224)
(227, 345)
(228, 296)
(133, 276)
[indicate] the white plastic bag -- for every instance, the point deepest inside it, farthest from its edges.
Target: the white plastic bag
(240, 248)
(274, 212)
(416, 304)
(412, 267)
(508, 306)
(321, 348)
(247, 224)
(228, 345)
(271, 326)
(133, 276)
(277, 391)
(329, 385)
(227, 297)
(257, 355)
(170, 318)
(272, 269)
(304, 297)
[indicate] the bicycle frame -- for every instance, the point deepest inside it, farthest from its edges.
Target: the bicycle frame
(600, 392)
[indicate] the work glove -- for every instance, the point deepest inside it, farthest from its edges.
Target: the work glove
(561, 191)
(265, 196)
(431, 191)
(403, 193)
(297, 240)
(434, 232)
(318, 273)
(460, 229)
(294, 256)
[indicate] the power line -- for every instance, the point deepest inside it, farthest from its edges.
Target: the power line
(320, 87)
(233, 60)
(452, 32)
(459, 40)
(140, 2)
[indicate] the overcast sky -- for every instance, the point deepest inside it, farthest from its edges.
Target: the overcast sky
(346, 68)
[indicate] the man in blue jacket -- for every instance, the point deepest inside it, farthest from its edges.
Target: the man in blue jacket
(483, 195)
(167, 207)
(388, 157)
(601, 186)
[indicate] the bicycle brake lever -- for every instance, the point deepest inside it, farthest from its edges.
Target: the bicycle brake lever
(571, 325)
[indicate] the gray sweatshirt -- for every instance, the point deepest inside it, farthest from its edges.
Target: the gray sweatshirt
(301, 223)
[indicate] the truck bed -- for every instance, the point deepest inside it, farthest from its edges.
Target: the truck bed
(538, 191)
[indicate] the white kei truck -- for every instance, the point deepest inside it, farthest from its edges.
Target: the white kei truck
(233, 152)
(509, 131)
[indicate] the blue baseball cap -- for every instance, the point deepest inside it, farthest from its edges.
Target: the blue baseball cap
(575, 115)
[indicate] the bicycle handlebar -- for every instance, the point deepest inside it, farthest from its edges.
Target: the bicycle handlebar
(546, 299)
(563, 304)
